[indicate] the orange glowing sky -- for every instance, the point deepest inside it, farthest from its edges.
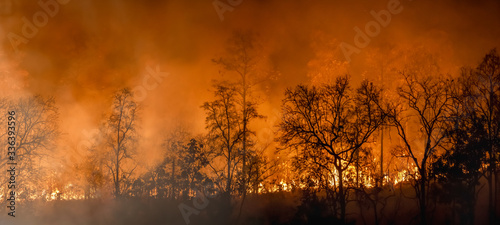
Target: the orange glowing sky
(89, 49)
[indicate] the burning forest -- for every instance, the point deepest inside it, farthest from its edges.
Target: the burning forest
(250, 112)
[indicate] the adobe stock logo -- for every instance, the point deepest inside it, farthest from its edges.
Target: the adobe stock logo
(372, 29)
(150, 81)
(221, 7)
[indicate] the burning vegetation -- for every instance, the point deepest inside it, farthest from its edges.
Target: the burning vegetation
(133, 113)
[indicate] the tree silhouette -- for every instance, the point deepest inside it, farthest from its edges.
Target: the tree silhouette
(120, 133)
(329, 125)
(460, 168)
(459, 171)
(427, 99)
(485, 96)
(180, 174)
(193, 160)
(242, 55)
(36, 130)
(223, 122)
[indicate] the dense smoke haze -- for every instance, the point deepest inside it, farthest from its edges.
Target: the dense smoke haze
(90, 49)
(86, 51)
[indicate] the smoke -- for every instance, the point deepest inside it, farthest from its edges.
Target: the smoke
(90, 49)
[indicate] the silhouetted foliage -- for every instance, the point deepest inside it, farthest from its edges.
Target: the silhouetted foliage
(484, 92)
(329, 126)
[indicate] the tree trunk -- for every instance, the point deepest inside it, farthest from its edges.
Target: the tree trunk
(342, 196)
(495, 204)
(491, 198)
(357, 168)
(117, 179)
(381, 156)
(422, 197)
(491, 186)
(228, 182)
(244, 136)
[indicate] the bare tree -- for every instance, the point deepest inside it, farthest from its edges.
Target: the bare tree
(242, 59)
(223, 122)
(36, 130)
(426, 99)
(120, 131)
(329, 125)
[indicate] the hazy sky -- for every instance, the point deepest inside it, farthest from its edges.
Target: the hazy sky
(86, 50)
